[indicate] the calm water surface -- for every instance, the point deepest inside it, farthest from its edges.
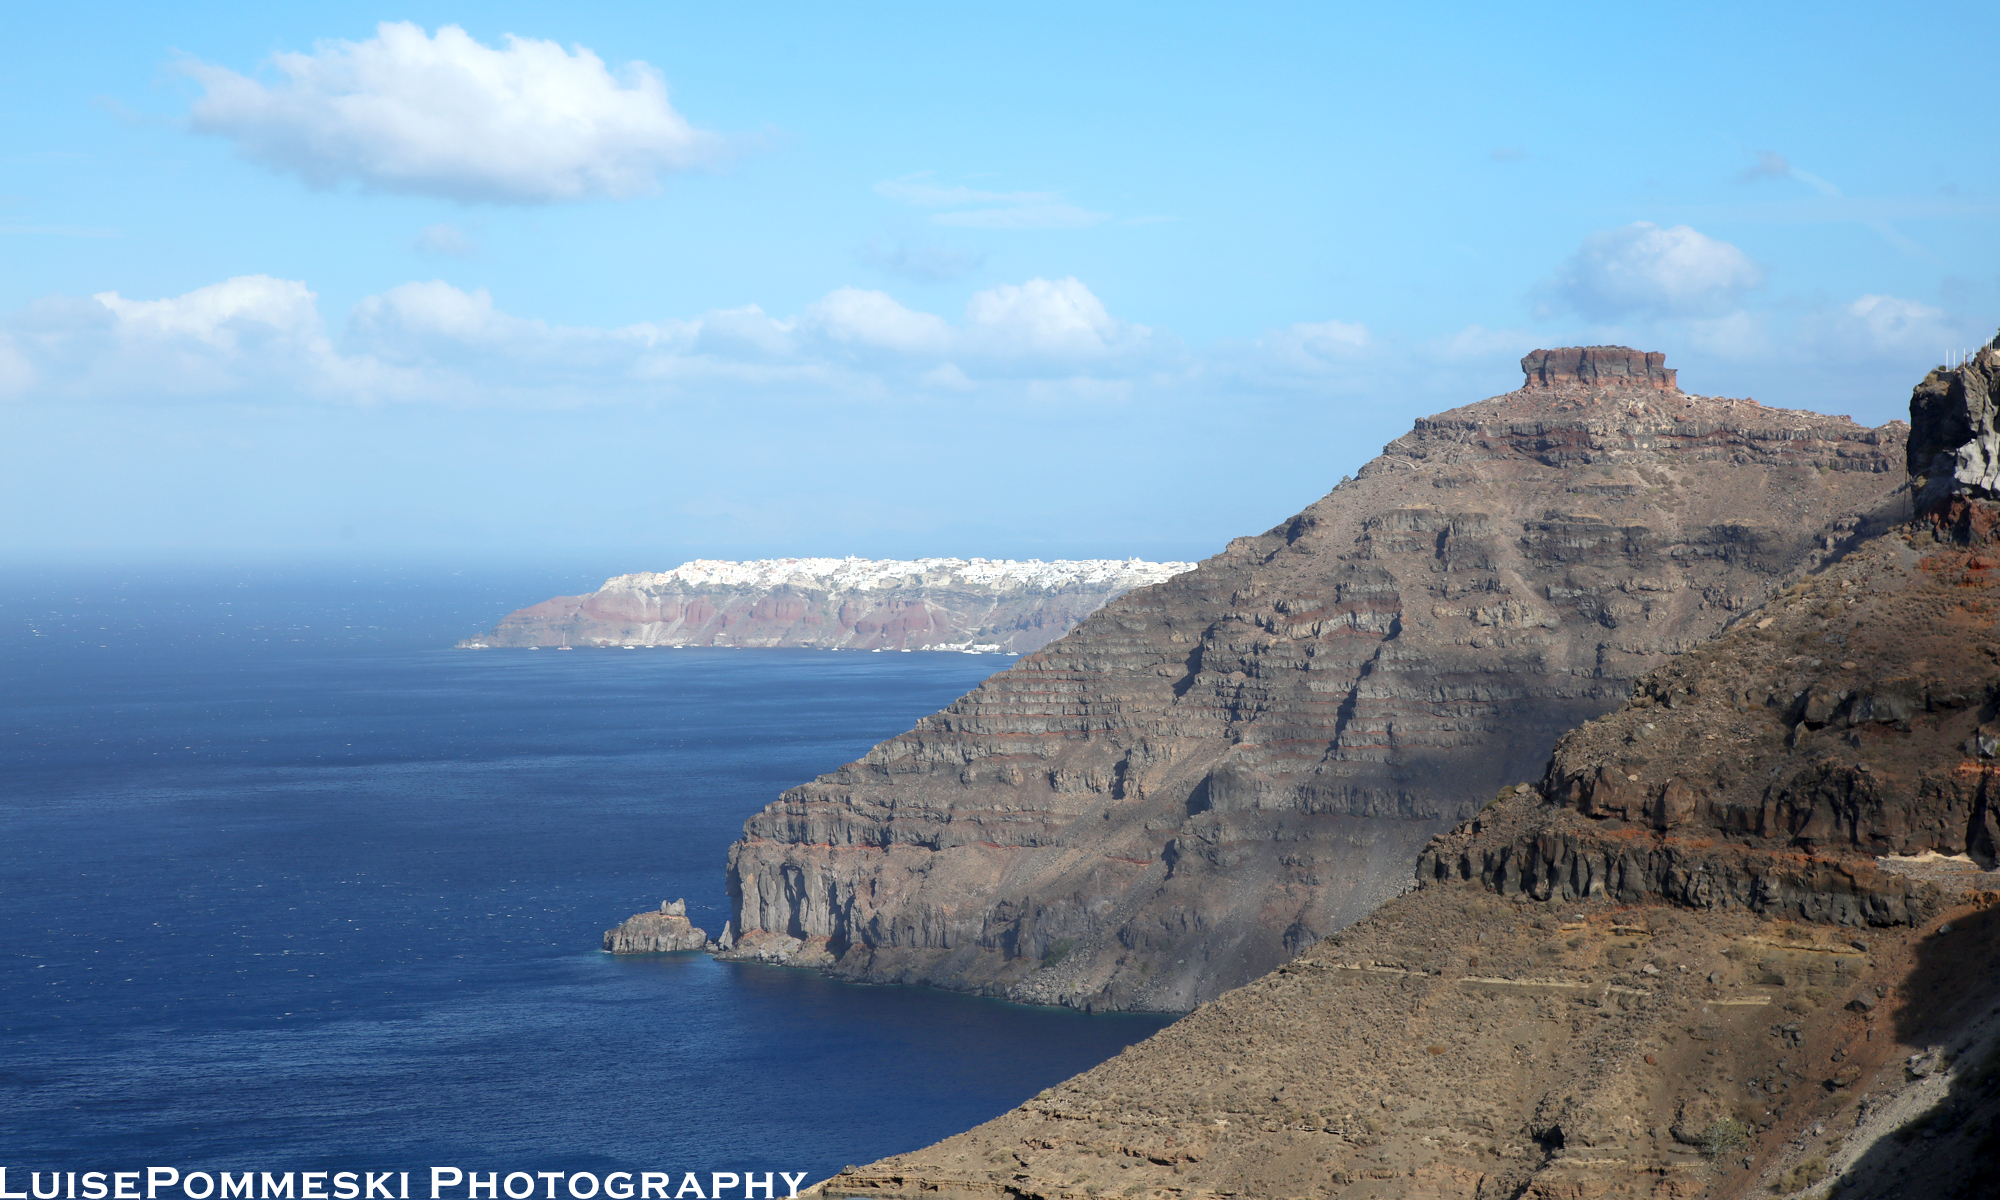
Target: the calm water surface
(288, 884)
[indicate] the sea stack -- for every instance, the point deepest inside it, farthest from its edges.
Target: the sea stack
(659, 932)
(1215, 772)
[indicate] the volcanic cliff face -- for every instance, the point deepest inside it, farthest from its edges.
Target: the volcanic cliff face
(1741, 940)
(1211, 774)
(834, 604)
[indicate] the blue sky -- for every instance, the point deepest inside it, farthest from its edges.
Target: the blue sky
(639, 283)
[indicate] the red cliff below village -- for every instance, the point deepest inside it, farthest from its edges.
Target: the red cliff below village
(834, 604)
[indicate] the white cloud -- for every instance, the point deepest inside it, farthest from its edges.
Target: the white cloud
(735, 333)
(867, 318)
(435, 308)
(1869, 329)
(1890, 325)
(222, 314)
(1042, 324)
(973, 208)
(248, 336)
(256, 337)
(258, 340)
(1057, 318)
(447, 116)
(1643, 270)
(432, 321)
(1890, 320)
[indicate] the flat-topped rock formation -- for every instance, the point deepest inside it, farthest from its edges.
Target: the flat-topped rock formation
(1213, 773)
(1740, 939)
(967, 604)
(661, 932)
(1598, 366)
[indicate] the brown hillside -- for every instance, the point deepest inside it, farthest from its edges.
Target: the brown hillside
(1742, 939)
(1213, 773)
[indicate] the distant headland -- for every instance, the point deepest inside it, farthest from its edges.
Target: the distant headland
(977, 605)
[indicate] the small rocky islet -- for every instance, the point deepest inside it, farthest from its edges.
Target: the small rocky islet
(666, 930)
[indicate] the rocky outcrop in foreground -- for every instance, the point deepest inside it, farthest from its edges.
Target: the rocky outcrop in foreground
(966, 604)
(661, 932)
(1954, 449)
(1213, 773)
(1742, 939)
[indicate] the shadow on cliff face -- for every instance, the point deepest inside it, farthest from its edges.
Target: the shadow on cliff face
(1948, 1011)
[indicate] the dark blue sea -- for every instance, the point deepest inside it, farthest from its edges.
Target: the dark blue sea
(286, 883)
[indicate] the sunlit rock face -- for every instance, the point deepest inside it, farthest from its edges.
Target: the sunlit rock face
(1214, 772)
(1954, 449)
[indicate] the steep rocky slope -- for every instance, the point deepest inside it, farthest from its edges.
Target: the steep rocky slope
(1210, 774)
(1741, 939)
(834, 604)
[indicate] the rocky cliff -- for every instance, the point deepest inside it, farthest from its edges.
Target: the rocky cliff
(834, 604)
(1213, 773)
(1742, 938)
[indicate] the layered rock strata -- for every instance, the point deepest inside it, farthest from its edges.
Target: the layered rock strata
(661, 932)
(975, 605)
(1742, 939)
(1599, 366)
(1211, 774)
(1847, 724)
